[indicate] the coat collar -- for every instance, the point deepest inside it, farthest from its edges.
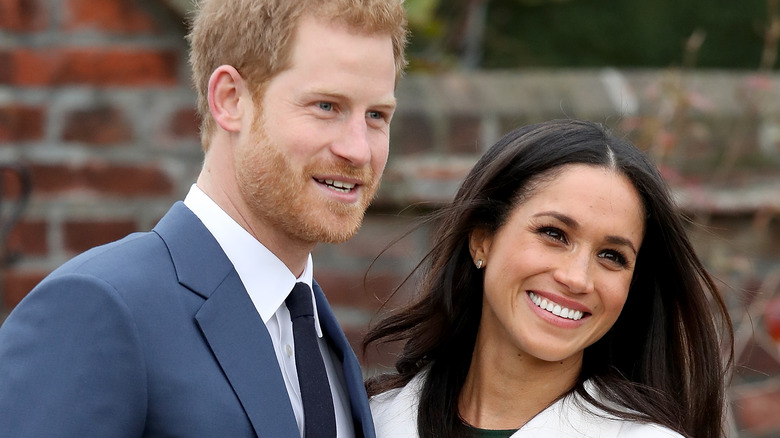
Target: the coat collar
(199, 261)
(228, 316)
(353, 376)
(229, 322)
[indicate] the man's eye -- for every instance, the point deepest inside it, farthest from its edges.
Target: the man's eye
(374, 115)
(325, 106)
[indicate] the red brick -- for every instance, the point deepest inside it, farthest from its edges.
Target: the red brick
(379, 233)
(23, 15)
(464, 134)
(185, 123)
(15, 179)
(28, 238)
(102, 178)
(128, 180)
(6, 59)
(21, 123)
(349, 289)
(98, 126)
(756, 411)
(772, 318)
(83, 235)
(412, 134)
(375, 356)
(17, 284)
(113, 16)
(51, 179)
(756, 361)
(96, 66)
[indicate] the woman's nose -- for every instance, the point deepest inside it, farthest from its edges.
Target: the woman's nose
(575, 272)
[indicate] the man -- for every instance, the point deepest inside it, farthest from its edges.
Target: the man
(185, 330)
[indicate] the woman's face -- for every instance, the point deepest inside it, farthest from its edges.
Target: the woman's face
(557, 273)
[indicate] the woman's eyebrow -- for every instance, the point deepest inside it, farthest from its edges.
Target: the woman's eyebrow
(617, 240)
(567, 220)
(572, 223)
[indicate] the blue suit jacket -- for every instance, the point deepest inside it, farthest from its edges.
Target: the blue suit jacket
(153, 335)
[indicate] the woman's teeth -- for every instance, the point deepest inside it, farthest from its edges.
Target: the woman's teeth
(555, 309)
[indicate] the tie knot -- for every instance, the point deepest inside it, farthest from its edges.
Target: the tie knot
(299, 301)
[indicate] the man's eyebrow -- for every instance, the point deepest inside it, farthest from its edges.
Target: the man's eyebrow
(389, 104)
(572, 223)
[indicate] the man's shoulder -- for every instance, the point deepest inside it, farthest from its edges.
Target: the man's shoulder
(139, 252)
(113, 257)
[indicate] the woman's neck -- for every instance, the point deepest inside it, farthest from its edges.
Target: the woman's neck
(505, 388)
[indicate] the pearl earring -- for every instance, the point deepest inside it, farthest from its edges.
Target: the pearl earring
(479, 264)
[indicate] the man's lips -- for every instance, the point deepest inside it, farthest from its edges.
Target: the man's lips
(340, 186)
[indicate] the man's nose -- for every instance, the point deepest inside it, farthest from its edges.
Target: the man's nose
(352, 143)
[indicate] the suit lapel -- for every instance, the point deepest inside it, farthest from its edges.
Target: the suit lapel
(229, 322)
(353, 376)
(241, 343)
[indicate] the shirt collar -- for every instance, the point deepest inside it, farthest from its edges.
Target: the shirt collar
(267, 279)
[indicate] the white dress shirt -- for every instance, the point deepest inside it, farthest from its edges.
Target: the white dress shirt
(268, 282)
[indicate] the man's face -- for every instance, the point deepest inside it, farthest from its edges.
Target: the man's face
(319, 143)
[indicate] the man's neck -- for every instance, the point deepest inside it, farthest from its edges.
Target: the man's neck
(292, 252)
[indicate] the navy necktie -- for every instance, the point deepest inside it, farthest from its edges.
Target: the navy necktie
(318, 413)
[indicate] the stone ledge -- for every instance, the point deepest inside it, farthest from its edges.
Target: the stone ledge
(715, 133)
(590, 93)
(432, 180)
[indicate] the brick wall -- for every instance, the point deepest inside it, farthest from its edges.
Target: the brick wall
(96, 103)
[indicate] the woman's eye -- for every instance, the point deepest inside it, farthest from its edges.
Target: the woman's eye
(325, 106)
(554, 233)
(614, 257)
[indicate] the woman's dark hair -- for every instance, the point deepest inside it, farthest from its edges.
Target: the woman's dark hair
(661, 362)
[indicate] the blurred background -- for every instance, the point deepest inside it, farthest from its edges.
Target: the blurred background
(98, 136)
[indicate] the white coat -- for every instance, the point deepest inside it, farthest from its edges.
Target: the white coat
(395, 416)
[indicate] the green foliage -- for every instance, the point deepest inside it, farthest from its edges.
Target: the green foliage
(421, 13)
(592, 33)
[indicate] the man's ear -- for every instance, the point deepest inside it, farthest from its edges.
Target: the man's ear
(226, 89)
(479, 244)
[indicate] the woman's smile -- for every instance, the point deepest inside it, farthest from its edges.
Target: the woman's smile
(558, 271)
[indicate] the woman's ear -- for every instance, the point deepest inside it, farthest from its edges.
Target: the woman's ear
(226, 89)
(479, 244)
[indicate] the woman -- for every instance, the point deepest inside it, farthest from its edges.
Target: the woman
(561, 298)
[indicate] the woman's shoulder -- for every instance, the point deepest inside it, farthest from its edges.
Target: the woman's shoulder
(572, 416)
(395, 416)
(395, 411)
(632, 429)
(628, 428)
